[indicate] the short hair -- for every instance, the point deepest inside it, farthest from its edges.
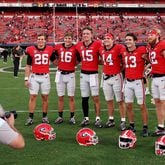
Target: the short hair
(42, 34)
(70, 34)
(88, 28)
(156, 31)
(132, 35)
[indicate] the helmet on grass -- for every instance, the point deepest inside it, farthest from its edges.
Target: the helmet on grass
(160, 146)
(127, 139)
(44, 131)
(86, 137)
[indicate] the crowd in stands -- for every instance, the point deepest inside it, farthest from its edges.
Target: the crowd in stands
(22, 27)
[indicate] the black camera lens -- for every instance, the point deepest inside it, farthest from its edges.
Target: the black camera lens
(7, 114)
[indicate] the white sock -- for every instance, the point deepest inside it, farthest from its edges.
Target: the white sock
(123, 119)
(86, 118)
(97, 118)
(111, 118)
(161, 125)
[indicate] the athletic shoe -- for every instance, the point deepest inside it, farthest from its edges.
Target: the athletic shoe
(45, 120)
(85, 123)
(159, 132)
(59, 120)
(72, 120)
(132, 128)
(123, 125)
(109, 124)
(29, 121)
(145, 132)
(98, 124)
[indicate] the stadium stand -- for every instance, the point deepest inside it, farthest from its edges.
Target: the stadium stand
(21, 25)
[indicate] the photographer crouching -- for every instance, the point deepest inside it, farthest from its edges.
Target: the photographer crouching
(9, 135)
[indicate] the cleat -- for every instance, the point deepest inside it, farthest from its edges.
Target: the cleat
(145, 132)
(72, 120)
(123, 126)
(45, 120)
(159, 132)
(109, 124)
(29, 122)
(59, 120)
(85, 123)
(98, 124)
(132, 128)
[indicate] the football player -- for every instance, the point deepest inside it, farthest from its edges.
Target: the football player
(89, 80)
(156, 48)
(112, 79)
(65, 75)
(37, 75)
(134, 63)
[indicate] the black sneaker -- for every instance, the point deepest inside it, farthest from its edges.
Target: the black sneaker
(109, 124)
(98, 124)
(72, 121)
(123, 126)
(145, 132)
(45, 120)
(84, 123)
(59, 120)
(159, 132)
(29, 122)
(132, 128)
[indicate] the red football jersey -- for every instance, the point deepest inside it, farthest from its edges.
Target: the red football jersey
(134, 63)
(156, 59)
(40, 58)
(89, 55)
(67, 57)
(112, 59)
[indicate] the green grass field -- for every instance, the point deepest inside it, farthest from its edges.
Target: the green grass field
(64, 150)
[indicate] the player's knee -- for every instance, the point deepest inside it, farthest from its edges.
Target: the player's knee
(71, 98)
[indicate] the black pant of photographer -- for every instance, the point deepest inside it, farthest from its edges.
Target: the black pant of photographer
(16, 66)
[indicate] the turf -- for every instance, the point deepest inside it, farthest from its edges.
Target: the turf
(64, 150)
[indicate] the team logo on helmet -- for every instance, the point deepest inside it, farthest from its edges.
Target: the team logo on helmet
(44, 132)
(86, 137)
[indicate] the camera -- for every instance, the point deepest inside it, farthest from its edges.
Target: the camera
(7, 114)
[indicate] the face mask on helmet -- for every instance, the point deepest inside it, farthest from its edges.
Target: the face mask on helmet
(160, 146)
(86, 137)
(44, 132)
(127, 139)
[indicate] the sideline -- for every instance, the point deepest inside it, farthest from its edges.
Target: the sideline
(79, 110)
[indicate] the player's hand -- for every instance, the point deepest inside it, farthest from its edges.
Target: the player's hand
(27, 84)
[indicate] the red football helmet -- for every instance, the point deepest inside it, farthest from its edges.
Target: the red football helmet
(127, 139)
(44, 132)
(86, 137)
(160, 146)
